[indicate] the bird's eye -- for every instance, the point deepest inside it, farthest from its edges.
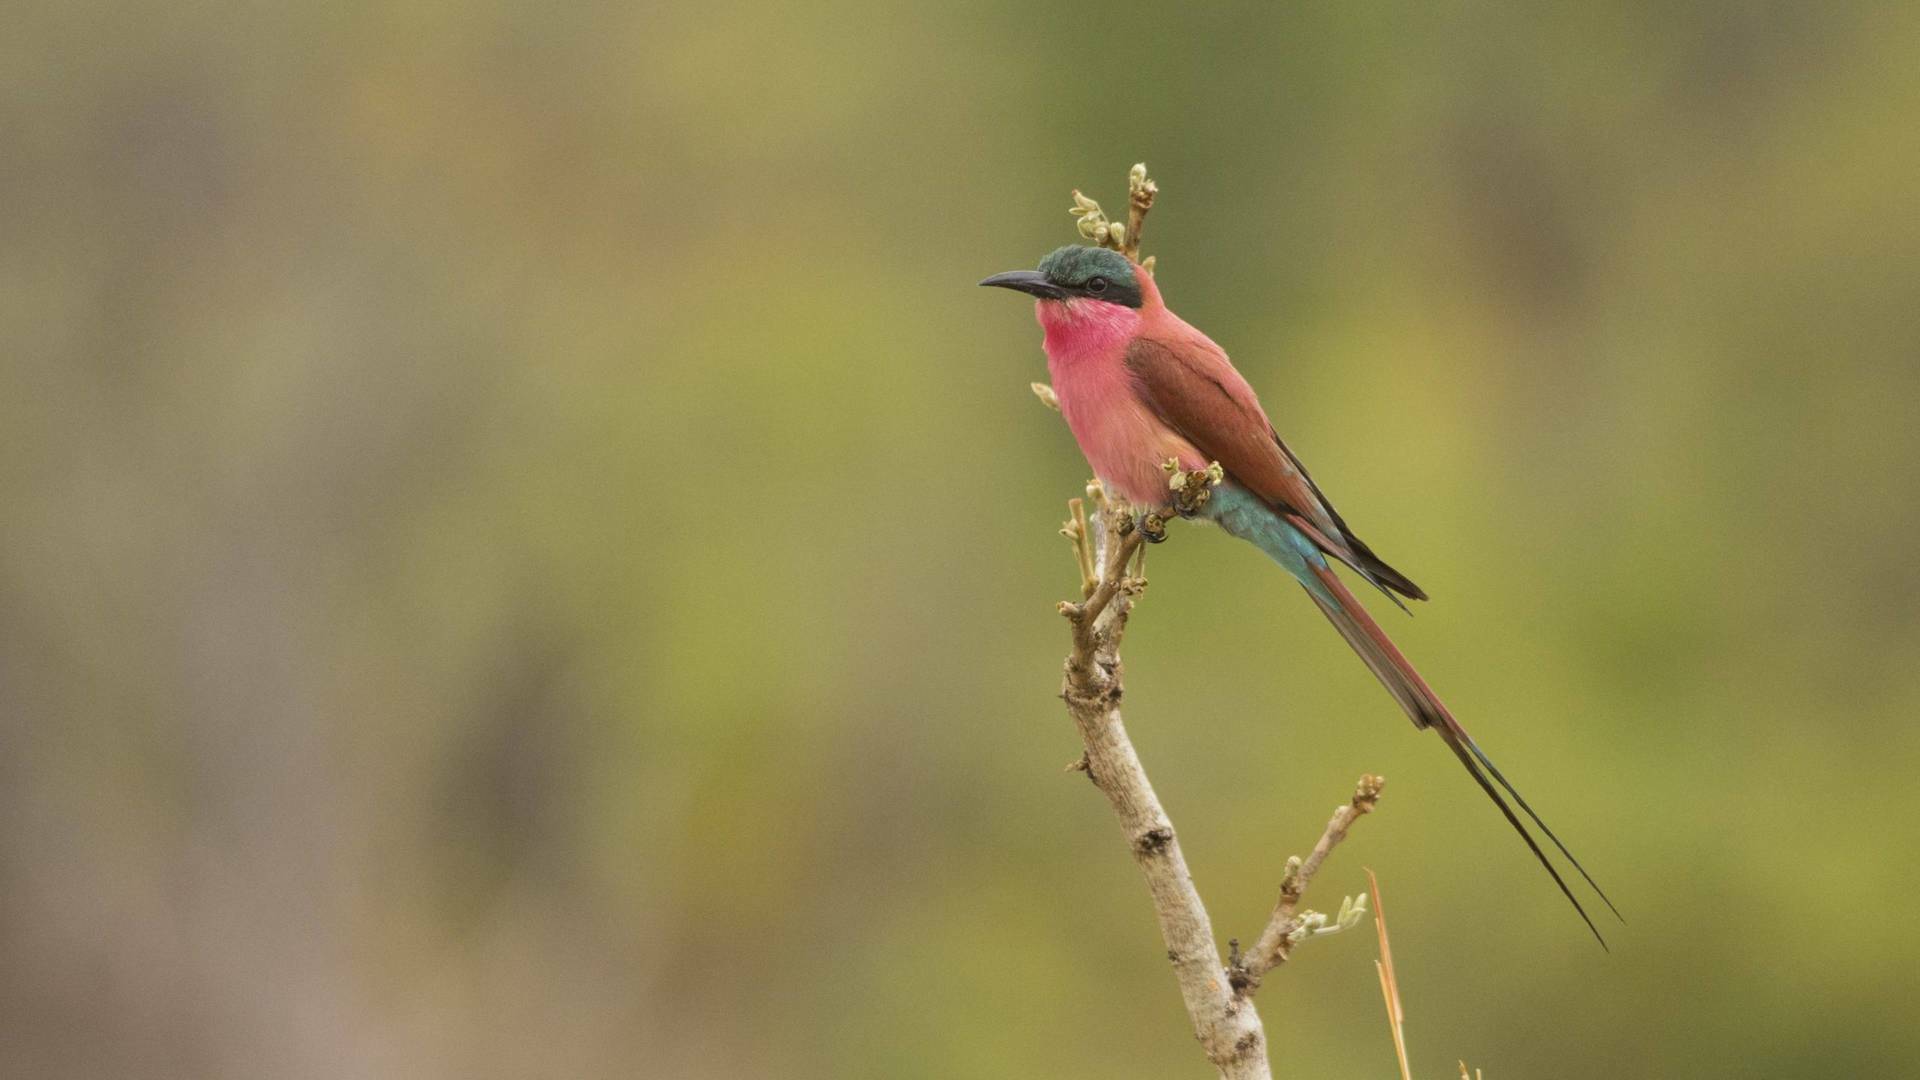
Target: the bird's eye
(1097, 285)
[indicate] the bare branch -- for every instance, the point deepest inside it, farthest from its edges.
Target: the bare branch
(1282, 933)
(1140, 193)
(1228, 1027)
(1124, 239)
(1113, 580)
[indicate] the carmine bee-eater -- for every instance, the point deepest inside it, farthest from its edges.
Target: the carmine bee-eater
(1140, 387)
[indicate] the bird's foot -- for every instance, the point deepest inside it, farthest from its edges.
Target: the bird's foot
(1192, 488)
(1153, 526)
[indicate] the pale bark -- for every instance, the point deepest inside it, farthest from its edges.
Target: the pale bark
(1224, 1021)
(1276, 942)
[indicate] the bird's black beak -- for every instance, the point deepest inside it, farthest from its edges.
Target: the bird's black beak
(1028, 281)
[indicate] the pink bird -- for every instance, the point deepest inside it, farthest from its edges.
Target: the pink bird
(1140, 387)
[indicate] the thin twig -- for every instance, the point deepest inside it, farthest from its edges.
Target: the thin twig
(1075, 530)
(1276, 942)
(1125, 239)
(1113, 580)
(1140, 193)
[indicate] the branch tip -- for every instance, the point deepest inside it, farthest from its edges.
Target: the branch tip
(1290, 925)
(1366, 794)
(1092, 222)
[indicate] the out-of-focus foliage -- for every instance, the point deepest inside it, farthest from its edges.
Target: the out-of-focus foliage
(525, 554)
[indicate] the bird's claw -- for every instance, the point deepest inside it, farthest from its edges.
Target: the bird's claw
(1192, 488)
(1153, 526)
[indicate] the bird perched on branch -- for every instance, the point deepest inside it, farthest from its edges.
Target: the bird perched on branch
(1145, 393)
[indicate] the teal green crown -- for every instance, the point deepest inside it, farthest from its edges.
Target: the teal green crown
(1098, 273)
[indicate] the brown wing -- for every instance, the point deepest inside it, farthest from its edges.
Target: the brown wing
(1197, 392)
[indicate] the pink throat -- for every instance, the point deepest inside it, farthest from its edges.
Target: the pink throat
(1086, 347)
(1080, 329)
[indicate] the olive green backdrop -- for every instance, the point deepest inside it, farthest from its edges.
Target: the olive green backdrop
(523, 552)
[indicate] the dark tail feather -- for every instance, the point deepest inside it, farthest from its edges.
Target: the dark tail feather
(1356, 554)
(1453, 741)
(1397, 674)
(1383, 576)
(1522, 800)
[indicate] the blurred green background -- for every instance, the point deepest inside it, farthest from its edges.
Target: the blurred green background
(525, 554)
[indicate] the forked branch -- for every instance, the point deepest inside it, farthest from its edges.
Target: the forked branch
(1289, 925)
(1226, 1024)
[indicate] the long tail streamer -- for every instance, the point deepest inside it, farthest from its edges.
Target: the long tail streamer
(1424, 707)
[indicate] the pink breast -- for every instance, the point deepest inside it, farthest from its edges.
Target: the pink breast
(1122, 439)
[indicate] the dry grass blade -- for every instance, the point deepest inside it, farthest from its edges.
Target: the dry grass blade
(1389, 984)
